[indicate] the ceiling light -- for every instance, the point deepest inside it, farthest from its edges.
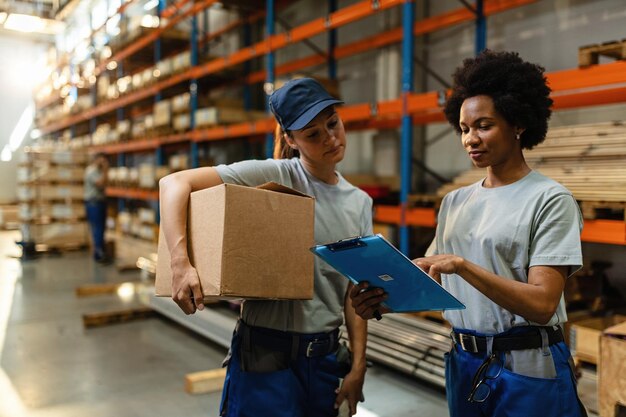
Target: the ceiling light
(24, 23)
(28, 24)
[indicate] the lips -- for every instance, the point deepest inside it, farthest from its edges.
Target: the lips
(333, 150)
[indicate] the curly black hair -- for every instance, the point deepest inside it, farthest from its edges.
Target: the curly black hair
(518, 89)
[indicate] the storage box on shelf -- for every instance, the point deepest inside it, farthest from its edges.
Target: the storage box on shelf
(9, 216)
(612, 372)
(585, 336)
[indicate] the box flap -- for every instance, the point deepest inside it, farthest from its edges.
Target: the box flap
(618, 330)
(273, 186)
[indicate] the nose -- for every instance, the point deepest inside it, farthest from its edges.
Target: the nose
(330, 135)
(471, 138)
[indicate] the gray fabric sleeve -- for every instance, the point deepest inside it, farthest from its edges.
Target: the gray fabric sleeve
(253, 173)
(556, 240)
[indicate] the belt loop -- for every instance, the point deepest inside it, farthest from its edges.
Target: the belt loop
(489, 340)
(545, 341)
(246, 341)
(295, 346)
(332, 339)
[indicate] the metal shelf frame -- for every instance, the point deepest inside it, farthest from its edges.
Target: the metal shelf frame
(580, 87)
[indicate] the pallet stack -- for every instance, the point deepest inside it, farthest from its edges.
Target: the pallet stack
(50, 192)
(587, 159)
(590, 54)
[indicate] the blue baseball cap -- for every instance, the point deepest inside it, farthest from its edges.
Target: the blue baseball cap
(297, 102)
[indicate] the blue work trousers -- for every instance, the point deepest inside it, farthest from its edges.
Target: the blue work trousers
(511, 394)
(306, 388)
(96, 216)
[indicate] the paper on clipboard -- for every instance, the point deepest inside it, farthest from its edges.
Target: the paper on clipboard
(375, 260)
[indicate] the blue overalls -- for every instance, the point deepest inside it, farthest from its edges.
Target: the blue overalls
(304, 388)
(498, 392)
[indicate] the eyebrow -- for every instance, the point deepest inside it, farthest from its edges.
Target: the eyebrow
(480, 119)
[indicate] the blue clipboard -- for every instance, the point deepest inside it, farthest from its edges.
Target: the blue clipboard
(375, 260)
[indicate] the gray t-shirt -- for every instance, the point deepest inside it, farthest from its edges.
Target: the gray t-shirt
(341, 211)
(91, 191)
(507, 230)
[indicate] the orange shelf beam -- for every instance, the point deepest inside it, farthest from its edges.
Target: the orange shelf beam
(390, 37)
(339, 18)
(595, 231)
(120, 10)
(153, 35)
(142, 145)
(343, 16)
(604, 231)
(173, 9)
(416, 216)
(132, 193)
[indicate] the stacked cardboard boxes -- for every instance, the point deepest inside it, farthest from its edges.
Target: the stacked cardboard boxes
(50, 191)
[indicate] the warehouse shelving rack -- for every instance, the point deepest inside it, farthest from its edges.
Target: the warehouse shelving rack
(594, 85)
(598, 84)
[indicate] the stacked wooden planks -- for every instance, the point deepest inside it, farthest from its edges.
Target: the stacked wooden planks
(590, 160)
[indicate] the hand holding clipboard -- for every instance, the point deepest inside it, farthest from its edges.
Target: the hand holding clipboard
(374, 260)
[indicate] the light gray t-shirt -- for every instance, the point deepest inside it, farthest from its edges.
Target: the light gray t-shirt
(507, 230)
(91, 191)
(341, 211)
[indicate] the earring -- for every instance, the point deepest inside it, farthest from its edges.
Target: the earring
(518, 135)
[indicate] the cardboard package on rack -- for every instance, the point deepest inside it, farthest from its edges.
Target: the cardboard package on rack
(612, 372)
(246, 242)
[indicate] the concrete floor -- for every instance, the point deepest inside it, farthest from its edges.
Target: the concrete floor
(50, 366)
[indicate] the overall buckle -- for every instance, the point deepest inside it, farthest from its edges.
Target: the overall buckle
(316, 347)
(467, 342)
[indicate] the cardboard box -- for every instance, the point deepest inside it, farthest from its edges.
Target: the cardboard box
(612, 371)
(247, 243)
(585, 336)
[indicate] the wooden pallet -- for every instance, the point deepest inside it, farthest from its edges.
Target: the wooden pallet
(68, 247)
(91, 290)
(590, 54)
(601, 210)
(117, 316)
(589, 160)
(205, 381)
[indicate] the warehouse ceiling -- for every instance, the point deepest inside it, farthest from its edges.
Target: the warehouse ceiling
(46, 9)
(32, 18)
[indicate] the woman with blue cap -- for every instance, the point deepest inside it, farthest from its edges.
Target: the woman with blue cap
(285, 357)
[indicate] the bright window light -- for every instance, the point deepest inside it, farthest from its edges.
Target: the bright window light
(150, 4)
(3, 17)
(5, 155)
(24, 23)
(22, 127)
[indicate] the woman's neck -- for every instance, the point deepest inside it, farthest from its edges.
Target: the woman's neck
(508, 173)
(324, 173)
